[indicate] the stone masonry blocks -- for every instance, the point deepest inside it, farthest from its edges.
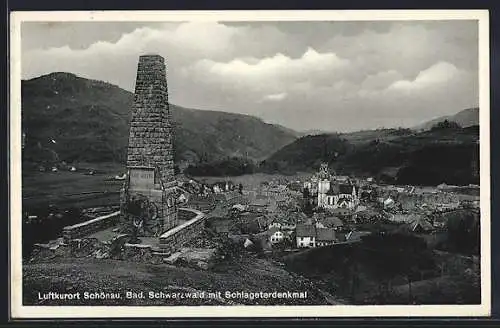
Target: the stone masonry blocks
(151, 132)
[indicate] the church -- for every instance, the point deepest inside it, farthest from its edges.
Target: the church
(332, 191)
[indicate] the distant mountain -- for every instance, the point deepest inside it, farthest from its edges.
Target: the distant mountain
(297, 134)
(465, 118)
(212, 135)
(393, 155)
(313, 132)
(364, 136)
(66, 117)
(306, 153)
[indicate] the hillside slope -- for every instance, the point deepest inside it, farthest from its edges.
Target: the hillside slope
(398, 156)
(66, 117)
(465, 118)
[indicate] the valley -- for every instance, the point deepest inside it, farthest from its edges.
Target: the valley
(259, 188)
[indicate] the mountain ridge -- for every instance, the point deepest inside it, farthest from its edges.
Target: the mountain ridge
(442, 154)
(71, 118)
(465, 118)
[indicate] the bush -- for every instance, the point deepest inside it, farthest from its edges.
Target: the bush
(445, 125)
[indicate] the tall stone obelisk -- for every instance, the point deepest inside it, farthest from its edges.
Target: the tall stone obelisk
(150, 157)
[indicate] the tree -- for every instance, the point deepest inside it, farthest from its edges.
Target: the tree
(308, 208)
(464, 232)
(403, 255)
(446, 124)
(305, 193)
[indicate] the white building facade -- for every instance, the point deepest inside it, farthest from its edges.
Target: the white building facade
(332, 195)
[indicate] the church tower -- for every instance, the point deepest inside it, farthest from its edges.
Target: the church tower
(324, 172)
(150, 156)
(323, 183)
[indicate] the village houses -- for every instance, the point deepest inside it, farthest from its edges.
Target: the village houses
(276, 235)
(309, 235)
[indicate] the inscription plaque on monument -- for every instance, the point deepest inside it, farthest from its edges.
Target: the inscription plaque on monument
(142, 178)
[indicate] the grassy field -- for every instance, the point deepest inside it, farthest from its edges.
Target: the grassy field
(65, 188)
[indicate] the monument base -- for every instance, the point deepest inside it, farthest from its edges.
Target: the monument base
(148, 207)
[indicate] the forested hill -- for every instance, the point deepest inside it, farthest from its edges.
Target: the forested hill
(445, 153)
(66, 117)
(465, 118)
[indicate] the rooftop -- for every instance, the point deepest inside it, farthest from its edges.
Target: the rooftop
(259, 202)
(346, 189)
(272, 230)
(305, 230)
(325, 234)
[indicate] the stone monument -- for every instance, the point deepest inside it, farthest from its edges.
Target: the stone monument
(148, 198)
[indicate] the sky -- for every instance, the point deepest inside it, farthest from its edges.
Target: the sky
(331, 76)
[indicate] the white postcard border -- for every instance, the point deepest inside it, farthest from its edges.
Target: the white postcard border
(19, 311)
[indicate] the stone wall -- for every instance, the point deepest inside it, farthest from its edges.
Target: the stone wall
(187, 215)
(169, 210)
(88, 227)
(178, 236)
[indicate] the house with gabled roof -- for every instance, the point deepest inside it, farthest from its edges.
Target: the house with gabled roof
(325, 237)
(275, 235)
(309, 235)
(258, 205)
(305, 235)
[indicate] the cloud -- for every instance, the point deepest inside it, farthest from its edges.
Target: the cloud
(380, 80)
(179, 43)
(439, 73)
(305, 75)
(275, 97)
(276, 70)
